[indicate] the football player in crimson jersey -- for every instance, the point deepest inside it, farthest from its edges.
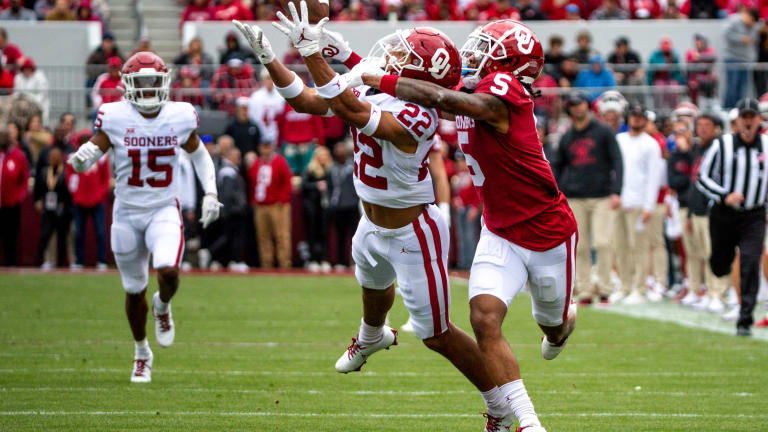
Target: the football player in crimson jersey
(401, 235)
(529, 232)
(145, 131)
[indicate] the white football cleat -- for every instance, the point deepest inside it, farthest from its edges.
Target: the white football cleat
(549, 350)
(498, 424)
(689, 298)
(617, 297)
(142, 369)
(165, 330)
(407, 327)
(654, 296)
(635, 298)
(702, 303)
(716, 306)
(531, 429)
(356, 356)
(733, 314)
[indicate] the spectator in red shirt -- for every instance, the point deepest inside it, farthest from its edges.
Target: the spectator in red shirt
(85, 13)
(187, 87)
(108, 86)
(555, 9)
(89, 190)
(644, 9)
(298, 134)
(11, 57)
(442, 10)
(14, 174)
(271, 189)
(6, 81)
(227, 10)
(197, 10)
(232, 81)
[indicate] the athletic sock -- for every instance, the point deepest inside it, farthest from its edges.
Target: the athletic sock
(142, 349)
(160, 306)
(517, 398)
(369, 334)
(495, 402)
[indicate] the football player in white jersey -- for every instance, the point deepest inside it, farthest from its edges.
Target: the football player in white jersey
(401, 236)
(145, 131)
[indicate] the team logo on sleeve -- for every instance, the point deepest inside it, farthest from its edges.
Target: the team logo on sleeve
(441, 63)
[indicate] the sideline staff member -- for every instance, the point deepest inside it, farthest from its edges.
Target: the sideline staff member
(734, 173)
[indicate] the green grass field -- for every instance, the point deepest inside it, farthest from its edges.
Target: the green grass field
(257, 353)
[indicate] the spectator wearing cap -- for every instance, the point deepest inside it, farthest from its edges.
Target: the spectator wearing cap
(233, 80)
(89, 192)
(572, 12)
(270, 180)
(642, 160)
(187, 88)
(664, 71)
(17, 12)
(596, 76)
(584, 51)
(702, 80)
(588, 168)
(740, 36)
(234, 51)
(626, 63)
(32, 84)
(245, 133)
(195, 57)
(610, 10)
(62, 11)
(97, 61)
(108, 86)
(228, 10)
(265, 106)
(734, 174)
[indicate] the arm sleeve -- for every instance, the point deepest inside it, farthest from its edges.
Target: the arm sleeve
(708, 171)
(204, 169)
(617, 163)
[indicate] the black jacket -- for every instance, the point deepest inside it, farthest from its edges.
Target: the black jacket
(679, 174)
(56, 200)
(246, 135)
(231, 188)
(588, 162)
(698, 203)
(341, 186)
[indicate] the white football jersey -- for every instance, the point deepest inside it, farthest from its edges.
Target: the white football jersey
(146, 150)
(384, 174)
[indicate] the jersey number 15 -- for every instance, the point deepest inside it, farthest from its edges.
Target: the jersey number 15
(152, 155)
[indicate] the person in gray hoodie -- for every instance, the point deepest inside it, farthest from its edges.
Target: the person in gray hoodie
(740, 35)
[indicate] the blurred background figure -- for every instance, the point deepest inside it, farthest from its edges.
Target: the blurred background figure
(53, 201)
(32, 84)
(298, 135)
(14, 173)
(342, 202)
(314, 189)
(264, 107)
(664, 71)
(245, 133)
(108, 87)
(228, 248)
(466, 204)
(740, 36)
(702, 81)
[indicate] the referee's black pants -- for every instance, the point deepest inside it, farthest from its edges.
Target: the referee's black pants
(729, 229)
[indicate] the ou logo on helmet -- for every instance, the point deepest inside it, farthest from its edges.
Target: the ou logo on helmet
(441, 63)
(524, 39)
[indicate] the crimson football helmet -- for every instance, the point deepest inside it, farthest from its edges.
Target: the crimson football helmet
(423, 53)
(502, 46)
(147, 81)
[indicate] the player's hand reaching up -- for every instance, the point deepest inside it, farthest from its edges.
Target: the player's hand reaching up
(370, 66)
(210, 211)
(333, 46)
(258, 42)
(304, 36)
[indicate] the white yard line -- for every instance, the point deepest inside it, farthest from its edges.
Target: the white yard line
(371, 415)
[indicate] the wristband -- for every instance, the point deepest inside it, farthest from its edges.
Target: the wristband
(293, 89)
(352, 60)
(334, 88)
(373, 121)
(388, 83)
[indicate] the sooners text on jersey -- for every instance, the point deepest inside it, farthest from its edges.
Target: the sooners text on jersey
(146, 150)
(514, 180)
(385, 175)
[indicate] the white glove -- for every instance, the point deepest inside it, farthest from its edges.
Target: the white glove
(210, 210)
(304, 36)
(333, 46)
(369, 66)
(259, 43)
(85, 156)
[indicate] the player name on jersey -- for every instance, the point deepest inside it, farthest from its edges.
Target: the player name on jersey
(156, 141)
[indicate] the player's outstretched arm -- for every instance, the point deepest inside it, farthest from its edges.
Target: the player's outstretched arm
(90, 152)
(206, 173)
(334, 89)
(300, 97)
(483, 107)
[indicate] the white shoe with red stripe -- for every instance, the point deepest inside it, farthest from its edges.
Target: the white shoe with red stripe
(498, 424)
(165, 330)
(551, 350)
(142, 369)
(355, 357)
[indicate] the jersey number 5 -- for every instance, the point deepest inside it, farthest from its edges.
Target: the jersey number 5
(152, 155)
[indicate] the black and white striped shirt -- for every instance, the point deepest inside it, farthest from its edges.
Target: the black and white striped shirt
(730, 165)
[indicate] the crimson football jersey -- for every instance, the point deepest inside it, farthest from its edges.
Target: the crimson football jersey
(521, 201)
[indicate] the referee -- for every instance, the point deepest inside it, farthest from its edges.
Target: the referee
(734, 174)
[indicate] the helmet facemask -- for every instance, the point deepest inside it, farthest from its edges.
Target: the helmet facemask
(397, 54)
(147, 89)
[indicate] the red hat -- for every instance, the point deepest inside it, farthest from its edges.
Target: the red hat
(115, 62)
(29, 63)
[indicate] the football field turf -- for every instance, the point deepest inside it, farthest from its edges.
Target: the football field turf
(257, 353)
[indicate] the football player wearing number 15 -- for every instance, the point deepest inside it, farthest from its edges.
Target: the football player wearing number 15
(145, 131)
(401, 236)
(529, 233)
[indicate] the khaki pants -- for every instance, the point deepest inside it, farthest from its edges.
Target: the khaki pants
(273, 223)
(631, 250)
(659, 254)
(595, 219)
(698, 247)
